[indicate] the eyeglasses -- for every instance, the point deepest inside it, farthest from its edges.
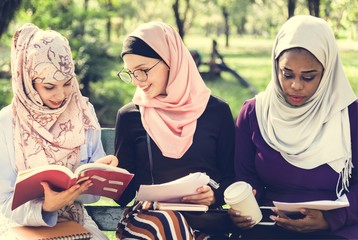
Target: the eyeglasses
(139, 74)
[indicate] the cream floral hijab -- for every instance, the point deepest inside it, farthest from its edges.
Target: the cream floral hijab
(43, 135)
(318, 132)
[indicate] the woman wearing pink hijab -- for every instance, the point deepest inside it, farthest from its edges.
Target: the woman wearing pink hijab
(173, 127)
(48, 122)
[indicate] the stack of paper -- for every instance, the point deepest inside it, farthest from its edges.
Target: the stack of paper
(173, 191)
(319, 205)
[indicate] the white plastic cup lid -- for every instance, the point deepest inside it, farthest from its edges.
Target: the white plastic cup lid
(237, 192)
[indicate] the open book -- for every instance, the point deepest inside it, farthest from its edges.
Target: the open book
(172, 192)
(108, 181)
(319, 205)
(64, 230)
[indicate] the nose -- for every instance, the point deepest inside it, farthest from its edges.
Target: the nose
(296, 84)
(60, 94)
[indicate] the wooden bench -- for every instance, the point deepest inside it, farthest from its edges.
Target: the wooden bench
(106, 217)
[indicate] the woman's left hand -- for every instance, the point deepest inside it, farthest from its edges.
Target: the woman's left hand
(312, 221)
(204, 196)
(108, 160)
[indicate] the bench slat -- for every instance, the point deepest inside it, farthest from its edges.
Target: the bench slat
(106, 217)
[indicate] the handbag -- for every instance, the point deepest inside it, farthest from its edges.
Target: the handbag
(213, 221)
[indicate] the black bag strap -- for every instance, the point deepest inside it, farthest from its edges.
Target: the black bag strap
(150, 158)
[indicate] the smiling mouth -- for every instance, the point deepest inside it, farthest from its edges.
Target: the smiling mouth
(145, 88)
(58, 104)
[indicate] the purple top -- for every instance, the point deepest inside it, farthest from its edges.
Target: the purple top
(277, 180)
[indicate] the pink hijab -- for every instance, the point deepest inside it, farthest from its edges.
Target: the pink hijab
(43, 135)
(171, 120)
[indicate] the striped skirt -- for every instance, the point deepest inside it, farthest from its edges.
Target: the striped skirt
(142, 222)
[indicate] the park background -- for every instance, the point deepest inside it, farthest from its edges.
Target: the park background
(243, 29)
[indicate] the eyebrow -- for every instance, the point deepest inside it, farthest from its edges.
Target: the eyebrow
(136, 67)
(56, 85)
(309, 71)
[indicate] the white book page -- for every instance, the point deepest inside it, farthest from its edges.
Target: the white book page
(99, 166)
(173, 191)
(319, 205)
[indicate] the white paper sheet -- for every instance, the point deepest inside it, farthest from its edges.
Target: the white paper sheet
(173, 191)
(320, 205)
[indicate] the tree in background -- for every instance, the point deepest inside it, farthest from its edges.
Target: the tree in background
(8, 9)
(291, 8)
(183, 18)
(313, 7)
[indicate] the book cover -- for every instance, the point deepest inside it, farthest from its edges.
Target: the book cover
(173, 191)
(65, 230)
(180, 206)
(108, 181)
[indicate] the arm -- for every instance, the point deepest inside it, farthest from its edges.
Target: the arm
(245, 149)
(221, 160)
(29, 213)
(244, 160)
(345, 216)
(91, 151)
(124, 151)
(225, 153)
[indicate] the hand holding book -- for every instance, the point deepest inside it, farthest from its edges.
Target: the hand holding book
(323, 205)
(108, 181)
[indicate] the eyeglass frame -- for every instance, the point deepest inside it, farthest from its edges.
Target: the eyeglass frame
(132, 73)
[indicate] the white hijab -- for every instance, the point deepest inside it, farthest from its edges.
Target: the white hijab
(318, 132)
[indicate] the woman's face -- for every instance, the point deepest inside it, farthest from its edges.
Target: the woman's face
(54, 94)
(299, 74)
(156, 83)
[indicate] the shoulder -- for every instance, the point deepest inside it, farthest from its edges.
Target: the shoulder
(5, 116)
(217, 108)
(353, 106)
(91, 108)
(128, 108)
(248, 107)
(128, 112)
(353, 111)
(216, 102)
(6, 128)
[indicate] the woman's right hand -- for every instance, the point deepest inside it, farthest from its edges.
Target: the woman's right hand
(242, 222)
(54, 201)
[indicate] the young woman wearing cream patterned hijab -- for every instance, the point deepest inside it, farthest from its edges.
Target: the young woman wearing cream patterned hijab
(48, 122)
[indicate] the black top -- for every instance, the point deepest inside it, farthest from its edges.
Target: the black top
(212, 150)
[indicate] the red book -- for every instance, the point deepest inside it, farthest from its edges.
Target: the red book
(108, 181)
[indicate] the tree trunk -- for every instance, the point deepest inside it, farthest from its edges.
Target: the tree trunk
(313, 7)
(8, 9)
(109, 27)
(109, 23)
(227, 27)
(291, 8)
(178, 20)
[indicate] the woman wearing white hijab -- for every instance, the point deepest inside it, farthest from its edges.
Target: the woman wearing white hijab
(297, 140)
(48, 122)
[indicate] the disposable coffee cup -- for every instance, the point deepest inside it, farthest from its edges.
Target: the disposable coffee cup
(239, 197)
